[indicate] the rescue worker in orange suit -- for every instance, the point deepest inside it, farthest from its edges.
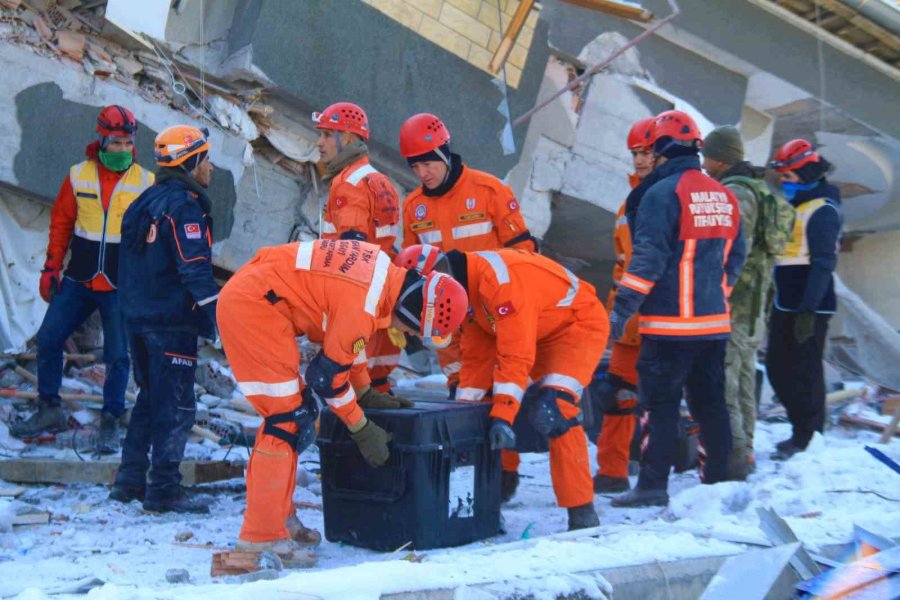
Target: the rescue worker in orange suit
(458, 208)
(530, 319)
(88, 215)
(362, 205)
(618, 397)
(337, 293)
(168, 299)
(688, 252)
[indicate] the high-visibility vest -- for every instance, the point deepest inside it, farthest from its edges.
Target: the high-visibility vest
(98, 232)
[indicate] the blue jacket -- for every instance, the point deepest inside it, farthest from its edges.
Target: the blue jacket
(165, 261)
(688, 253)
(803, 273)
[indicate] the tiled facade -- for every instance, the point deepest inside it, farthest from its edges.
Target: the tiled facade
(470, 29)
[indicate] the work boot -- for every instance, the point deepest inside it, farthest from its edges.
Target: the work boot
(606, 484)
(292, 554)
(125, 494)
(638, 498)
(785, 450)
(509, 482)
(582, 517)
(738, 466)
(751, 463)
(47, 419)
(178, 503)
(301, 534)
(107, 440)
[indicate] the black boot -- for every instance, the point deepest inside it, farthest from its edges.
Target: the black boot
(47, 419)
(125, 494)
(637, 498)
(179, 502)
(786, 449)
(605, 484)
(582, 517)
(107, 440)
(509, 482)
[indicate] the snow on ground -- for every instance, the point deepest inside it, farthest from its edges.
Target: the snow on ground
(821, 493)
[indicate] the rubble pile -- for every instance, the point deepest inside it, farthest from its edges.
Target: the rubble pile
(72, 32)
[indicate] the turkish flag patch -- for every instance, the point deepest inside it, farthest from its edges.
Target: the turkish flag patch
(192, 231)
(505, 309)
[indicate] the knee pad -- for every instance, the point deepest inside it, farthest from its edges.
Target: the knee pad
(545, 415)
(320, 376)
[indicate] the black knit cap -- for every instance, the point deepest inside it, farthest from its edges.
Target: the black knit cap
(441, 153)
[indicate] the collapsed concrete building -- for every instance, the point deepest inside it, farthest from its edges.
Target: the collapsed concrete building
(255, 69)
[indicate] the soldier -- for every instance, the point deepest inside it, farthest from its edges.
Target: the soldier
(767, 223)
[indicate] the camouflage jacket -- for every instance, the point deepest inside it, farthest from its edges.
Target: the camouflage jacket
(767, 222)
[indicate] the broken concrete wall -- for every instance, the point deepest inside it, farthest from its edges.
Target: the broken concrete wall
(869, 266)
(47, 117)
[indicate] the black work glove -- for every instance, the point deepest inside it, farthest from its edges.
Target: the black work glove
(375, 399)
(617, 323)
(372, 441)
(804, 326)
(501, 435)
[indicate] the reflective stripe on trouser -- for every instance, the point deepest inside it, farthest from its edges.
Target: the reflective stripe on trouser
(383, 357)
(617, 431)
(449, 359)
(262, 351)
(575, 352)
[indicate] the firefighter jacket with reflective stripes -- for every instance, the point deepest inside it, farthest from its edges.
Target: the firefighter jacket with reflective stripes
(623, 247)
(94, 228)
(516, 299)
(688, 253)
(165, 267)
(337, 293)
(362, 204)
(478, 213)
(804, 280)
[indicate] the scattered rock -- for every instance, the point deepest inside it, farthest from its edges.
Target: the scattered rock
(178, 576)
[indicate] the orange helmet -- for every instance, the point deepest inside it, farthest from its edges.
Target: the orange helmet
(343, 116)
(421, 257)
(173, 146)
(116, 121)
(421, 134)
(641, 134)
(793, 155)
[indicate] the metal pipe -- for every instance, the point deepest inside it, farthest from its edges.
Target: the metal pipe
(878, 12)
(596, 68)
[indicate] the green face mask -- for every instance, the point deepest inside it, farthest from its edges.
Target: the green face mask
(116, 161)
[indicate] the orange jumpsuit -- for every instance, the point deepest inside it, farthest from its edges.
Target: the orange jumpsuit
(338, 293)
(533, 320)
(365, 201)
(478, 213)
(617, 431)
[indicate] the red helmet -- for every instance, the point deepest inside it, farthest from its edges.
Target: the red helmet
(343, 116)
(421, 257)
(641, 134)
(444, 305)
(116, 121)
(793, 155)
(677, 125)
(421, 134)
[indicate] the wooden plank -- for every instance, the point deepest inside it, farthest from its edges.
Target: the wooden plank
(616, 9)
(38, 470)
(11, 492)
(39, 518)
(511, 35)
(889, 431)
(859, 421)
(33, 356)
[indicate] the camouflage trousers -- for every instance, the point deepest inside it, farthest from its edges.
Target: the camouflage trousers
(740, 388)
